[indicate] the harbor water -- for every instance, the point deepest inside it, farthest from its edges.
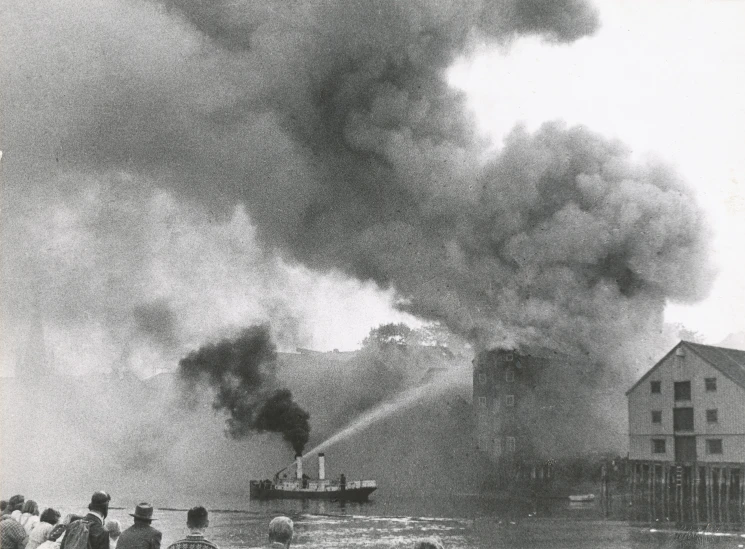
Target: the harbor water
(459, 522)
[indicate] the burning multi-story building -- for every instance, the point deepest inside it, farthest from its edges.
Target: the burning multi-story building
(535, 405)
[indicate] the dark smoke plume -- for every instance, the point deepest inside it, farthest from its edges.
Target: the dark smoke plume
(280, 414)
(242, 371)
(332, 123)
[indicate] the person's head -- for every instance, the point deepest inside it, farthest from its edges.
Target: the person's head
(100, 503)
(50, 516)
(197, 518)
(16, 503)
(143, 513)
(114, 528)
(431, 543)
(30, 507)
(281, 530)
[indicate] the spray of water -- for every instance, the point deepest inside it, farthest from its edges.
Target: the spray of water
(399, 403)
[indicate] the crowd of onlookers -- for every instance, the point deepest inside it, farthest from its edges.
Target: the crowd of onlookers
(23, 527)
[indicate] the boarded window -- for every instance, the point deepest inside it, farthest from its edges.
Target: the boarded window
(510, 444)
(509, 376)
(656, 416)
(658, 446)
(683, 419)
(711, 384)
(509, 400)
(655, 386)
(682, 390)
(712, 416)
(482, 402)
(714, 446)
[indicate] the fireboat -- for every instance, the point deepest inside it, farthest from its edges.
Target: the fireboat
(284, 486)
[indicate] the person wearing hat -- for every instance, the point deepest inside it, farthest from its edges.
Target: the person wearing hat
(141, 535)
(98, 508)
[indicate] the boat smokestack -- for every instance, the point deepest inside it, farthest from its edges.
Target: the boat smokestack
(299, 465)
(321, 466)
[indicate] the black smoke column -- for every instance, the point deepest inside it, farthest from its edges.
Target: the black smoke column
(242, 371)
(280, 414)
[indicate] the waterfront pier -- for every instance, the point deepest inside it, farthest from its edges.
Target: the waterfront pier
(688, 492)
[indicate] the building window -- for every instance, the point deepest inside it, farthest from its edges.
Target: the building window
(510, 444)
(682, 419)
(509, 400)
(655, 386)
(509, 376)
(482, 378)
(508, 357)
(497, 447)
(712, 416)
(656, 416)
(711, 384)
(714, 446)
(482, 402)
(682, 390)
(658, 446)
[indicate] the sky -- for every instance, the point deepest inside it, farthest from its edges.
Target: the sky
(136, 133)
(668, 79)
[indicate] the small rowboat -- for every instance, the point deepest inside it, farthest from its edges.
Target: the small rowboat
(582, 498)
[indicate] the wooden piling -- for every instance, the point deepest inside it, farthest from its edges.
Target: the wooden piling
(709, 494)
(663, 479)
(742, 494)
(727, 482)
(720, 486)
(689, 492)
(650, 486)
(694, 493)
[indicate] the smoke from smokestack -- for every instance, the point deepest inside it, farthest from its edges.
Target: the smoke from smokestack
(242, 372)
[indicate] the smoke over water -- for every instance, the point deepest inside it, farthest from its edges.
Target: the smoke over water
(145, 159)
(242, 372)
(334, 125)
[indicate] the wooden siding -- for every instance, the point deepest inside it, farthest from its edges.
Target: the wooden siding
(728, 400)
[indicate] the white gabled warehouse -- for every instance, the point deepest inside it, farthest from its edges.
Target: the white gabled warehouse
(690, 407)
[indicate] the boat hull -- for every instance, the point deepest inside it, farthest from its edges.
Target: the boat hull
(352, 494)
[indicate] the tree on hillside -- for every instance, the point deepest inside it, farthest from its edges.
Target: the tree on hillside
(390, 335)
(401, 336)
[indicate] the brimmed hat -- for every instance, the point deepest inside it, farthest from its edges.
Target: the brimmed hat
(143, 511)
